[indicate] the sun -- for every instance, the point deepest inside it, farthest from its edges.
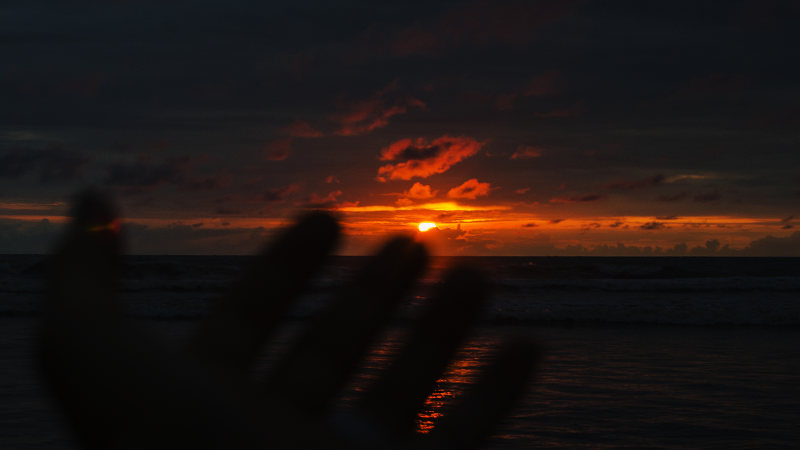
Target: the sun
(425, 226)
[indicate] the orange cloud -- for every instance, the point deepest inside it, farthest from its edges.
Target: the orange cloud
(526, 151)
(374, 112)
(655, 180)
(302, 129)
(418, 191)
(424, 158)
(278, 149)
(441, 206)
(470, 189)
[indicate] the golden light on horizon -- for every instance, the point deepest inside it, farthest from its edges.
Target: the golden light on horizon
(425, 226)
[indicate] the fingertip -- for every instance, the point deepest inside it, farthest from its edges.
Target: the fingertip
(95, 227)
(315, 232)
(420, 254)
(321, 221)
(92, 207)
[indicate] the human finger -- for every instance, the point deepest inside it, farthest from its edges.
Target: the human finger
(470, 420)
(80, 316)
(399, 393)
(235, 330)
(325, 356)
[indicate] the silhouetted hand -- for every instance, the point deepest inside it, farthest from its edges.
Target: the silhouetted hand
(120, 388)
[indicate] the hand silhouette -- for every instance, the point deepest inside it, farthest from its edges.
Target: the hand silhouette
(120, 388)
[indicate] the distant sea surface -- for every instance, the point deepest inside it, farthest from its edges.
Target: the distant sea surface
(640, 352)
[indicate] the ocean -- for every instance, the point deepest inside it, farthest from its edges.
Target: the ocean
(639, 352)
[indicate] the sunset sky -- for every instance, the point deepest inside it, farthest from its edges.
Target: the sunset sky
(518, 127)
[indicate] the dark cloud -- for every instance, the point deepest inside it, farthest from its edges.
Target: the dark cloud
(708, 197)
(562, 113)
(17, 236)
(146, 174)
(212, 183)
(302, 129)
(655, 180)
(278, 149)
(774, 246)
(323, 201)
(53, 164)
(189, 239)
(672, 197)
(480, 22)
(527, 151)
(364, 116)
(652, 226)
(577, 199)
(280, 194)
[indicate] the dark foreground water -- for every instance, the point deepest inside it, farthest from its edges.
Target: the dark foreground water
(659, 353)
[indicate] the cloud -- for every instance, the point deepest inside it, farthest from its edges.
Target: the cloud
(278, 149)
(526, 152)
(505, 102)
(672, 197)
(146, 174)
(479, 22)
(562, 113)
(374, 112)
(209, 183)
(181, 238)
(318, 201)
(470, 189)
(302, 129)
(542, 85)
(53, 164)
(424, 158)
(419, 191)
(21, 236)
(709, 197)
(774, 246)
(277, 195)
(577, 199)
(630, 185)
(652, 226)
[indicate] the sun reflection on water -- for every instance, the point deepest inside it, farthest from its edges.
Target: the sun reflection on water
(458, 376)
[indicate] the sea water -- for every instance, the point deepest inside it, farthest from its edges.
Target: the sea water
(639, 352)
